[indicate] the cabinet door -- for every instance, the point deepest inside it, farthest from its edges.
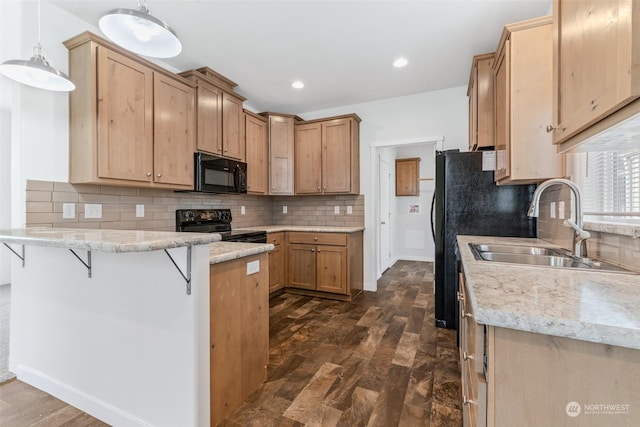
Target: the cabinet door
(209, 118)
(336, 156)
(308, 158)
(281, 155)
(174, 131)
(595, 61)
(408, 177)
(484, 104)
(232, 127)
(276, 268)
(501, 89)
(125, 118)
(302, 266)
(331, 264)
(257, 156)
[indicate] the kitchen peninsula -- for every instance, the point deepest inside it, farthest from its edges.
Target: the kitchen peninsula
(117, 323)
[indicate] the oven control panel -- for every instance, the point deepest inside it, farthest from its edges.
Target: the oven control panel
(203, 216)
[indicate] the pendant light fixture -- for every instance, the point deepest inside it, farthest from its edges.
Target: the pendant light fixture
(140, 32)
(36, 71)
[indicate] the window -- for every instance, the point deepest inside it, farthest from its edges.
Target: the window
(610, 183)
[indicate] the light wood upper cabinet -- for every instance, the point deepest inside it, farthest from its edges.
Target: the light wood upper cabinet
(220, 119)
(257, 153)
(523, 86)
(281, 135)
(596, 67)
(125, 140)
(174, 136)
(132, 123)
(481, 107)
(232, 127)
(327, 156)
(408, 177)
(308, 158)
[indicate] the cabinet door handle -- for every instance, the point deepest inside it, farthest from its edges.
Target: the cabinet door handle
(318, 250)
(318, 188)
(149, 173)
(467, 356)
(315, 239)
(158, 175)
(460, 297)
(467, 401)
(467, 315)
(550, 128)
(312, 250)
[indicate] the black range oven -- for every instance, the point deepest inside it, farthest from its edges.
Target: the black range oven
(215, 221)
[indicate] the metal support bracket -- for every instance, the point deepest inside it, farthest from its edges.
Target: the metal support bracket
(16, 253)
(86, 264)
(187, 277)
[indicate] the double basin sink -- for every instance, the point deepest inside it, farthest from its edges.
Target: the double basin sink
(540, 256)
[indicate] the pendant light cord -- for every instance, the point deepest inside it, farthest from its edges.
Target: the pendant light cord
(39, 35)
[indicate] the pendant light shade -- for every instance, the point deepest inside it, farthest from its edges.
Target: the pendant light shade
(140, 32)
(36, 71)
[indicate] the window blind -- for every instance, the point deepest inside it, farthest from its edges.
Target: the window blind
(611, 185)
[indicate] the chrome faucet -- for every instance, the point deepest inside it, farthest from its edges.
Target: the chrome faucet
(579, 235)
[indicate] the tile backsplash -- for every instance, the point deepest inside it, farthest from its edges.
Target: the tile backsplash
(616, 248)
(45, 199)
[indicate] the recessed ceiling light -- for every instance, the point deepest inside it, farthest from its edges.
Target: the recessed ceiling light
(400, 62)
(297, 84)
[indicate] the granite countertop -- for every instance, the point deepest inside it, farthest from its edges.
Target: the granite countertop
(585, 305)
(104, 240)
(227, 251)
(309, 228)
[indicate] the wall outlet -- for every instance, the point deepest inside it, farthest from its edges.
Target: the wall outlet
(561, 209)
(552, 209)
(349, 210)
(68, 210)
(253, 267)
(242, 210)
(336, 210)
(284, 209)
(92, 210)
(139, 211)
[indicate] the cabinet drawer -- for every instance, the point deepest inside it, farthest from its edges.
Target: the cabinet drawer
(334, 239)
(275, 238)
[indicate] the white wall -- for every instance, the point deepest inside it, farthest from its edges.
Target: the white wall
(420, 118)
(412, 239)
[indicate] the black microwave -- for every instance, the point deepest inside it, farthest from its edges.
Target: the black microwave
(217, 175)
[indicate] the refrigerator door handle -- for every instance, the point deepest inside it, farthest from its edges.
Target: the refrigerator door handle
(433, 227)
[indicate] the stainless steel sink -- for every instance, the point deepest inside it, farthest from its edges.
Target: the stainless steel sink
(512, 249)
(540, 256)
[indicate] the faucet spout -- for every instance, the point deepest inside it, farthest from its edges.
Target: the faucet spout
(580, 235)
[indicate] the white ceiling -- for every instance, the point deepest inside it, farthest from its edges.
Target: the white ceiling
(341, 50)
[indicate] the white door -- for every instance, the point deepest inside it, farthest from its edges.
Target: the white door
(385, 216)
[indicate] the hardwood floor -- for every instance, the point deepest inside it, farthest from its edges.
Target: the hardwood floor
(376, 361)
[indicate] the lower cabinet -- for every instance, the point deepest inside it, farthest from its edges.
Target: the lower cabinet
(239, 332)
(328, 264)
(276, 261)
(516, 378)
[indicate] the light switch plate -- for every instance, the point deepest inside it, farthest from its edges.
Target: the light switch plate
(68, 210)
(561, 209)
(336, 210)
(93, 211)
(349, 210)
(284, 209)
(253, 267)
(139, 211)
(552, 209)
(242, 210)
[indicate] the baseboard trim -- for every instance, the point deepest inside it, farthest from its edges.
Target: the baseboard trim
(83, 401)
(414, 258)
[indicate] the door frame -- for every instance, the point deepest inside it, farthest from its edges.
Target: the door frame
(375, 174)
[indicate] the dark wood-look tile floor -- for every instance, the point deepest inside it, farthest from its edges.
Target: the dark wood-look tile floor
(376, 361)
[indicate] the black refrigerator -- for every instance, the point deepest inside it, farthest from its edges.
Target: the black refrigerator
(467, 201)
